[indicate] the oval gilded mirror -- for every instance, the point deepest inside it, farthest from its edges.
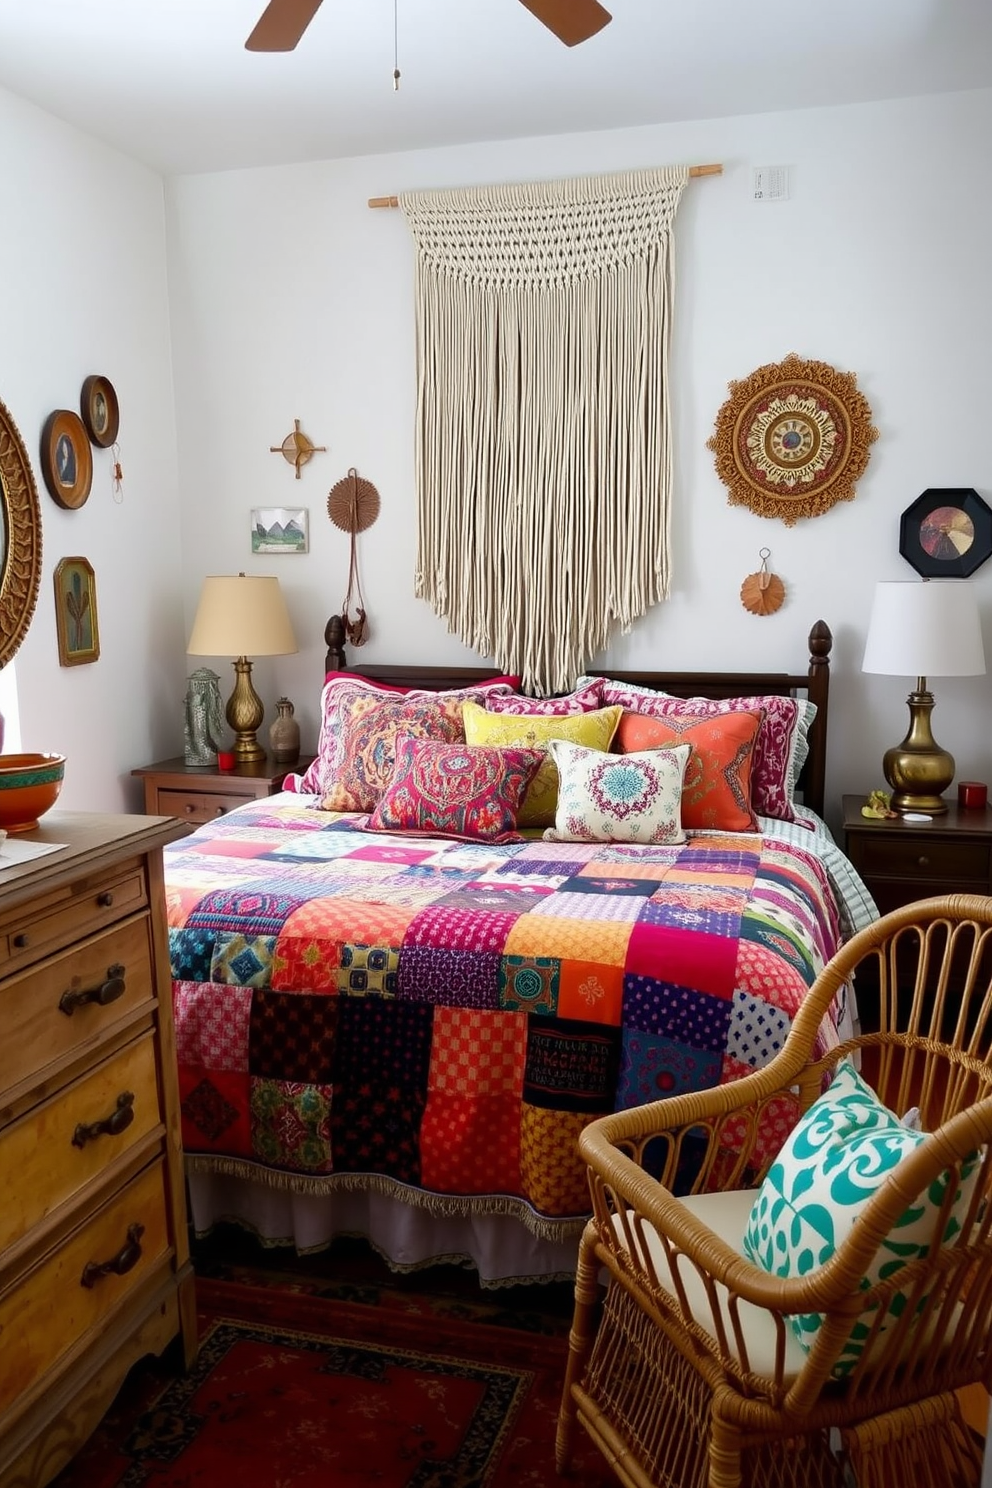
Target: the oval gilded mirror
(20, 539)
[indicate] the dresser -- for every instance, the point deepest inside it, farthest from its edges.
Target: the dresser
(94, 1254)
(198, 793)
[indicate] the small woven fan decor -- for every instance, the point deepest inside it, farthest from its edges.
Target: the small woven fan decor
(792, 439)
(353, 504)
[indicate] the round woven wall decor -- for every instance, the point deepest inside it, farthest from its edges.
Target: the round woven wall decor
(353, 504)
(792, 439)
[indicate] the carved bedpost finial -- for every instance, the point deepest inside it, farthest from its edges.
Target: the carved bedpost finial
(334, 661)
(820, 644)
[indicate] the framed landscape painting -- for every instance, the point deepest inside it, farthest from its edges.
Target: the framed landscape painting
(279, 529)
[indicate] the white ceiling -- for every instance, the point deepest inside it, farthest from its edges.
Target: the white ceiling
(169, 81)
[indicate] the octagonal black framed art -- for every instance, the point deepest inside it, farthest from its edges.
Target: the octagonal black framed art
(946, 533)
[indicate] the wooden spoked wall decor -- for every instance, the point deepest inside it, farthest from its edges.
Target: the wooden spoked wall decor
(792, 439)
(297, 448)
(353, 505)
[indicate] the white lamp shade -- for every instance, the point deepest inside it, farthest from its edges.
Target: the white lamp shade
(241, 615)
(924, 628)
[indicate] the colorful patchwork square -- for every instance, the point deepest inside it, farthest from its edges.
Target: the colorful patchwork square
(290, 1125)
(366, 970)
(683, 958)
(243, 961)
(471, 1144)
(212, 1025)
(571, 1066)
(190, 954)
(552, 1175)
(447, 978)
(530, 983)
(292, 1036)
(215, 1111)
(678, 1013)
(478, 1053)
(243, 912)
(652, 1067)
(756, 1031)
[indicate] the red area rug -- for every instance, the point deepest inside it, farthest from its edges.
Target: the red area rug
(293, 1390)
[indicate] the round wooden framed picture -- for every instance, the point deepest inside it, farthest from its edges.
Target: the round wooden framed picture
(100, 411)
(946, 533)
(66, 459)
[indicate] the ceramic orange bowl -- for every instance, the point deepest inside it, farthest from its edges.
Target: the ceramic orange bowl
(29, 786)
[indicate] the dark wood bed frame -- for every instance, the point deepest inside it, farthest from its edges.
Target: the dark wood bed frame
(814, 684)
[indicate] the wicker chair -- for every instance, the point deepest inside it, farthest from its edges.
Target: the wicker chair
(686, 1371)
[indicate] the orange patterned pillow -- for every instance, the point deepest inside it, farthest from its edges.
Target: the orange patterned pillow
(716, 793)
(369, 724)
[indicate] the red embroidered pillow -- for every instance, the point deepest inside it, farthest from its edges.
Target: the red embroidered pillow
(583, 700)
(455, 790)
(780, 749)
(340, 693)
(716, 787)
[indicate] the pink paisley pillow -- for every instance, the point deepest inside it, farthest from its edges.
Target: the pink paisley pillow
(584, 699)
(340, 693)
(780, 748)
(455, 790)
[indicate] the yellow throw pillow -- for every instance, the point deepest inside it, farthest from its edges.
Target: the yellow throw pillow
(594, 730)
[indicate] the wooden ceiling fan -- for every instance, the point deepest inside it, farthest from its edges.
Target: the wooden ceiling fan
(283, 22)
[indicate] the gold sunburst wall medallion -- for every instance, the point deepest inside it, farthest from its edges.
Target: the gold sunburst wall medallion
(792, 439)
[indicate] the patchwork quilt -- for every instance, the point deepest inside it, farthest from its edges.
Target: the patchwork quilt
(443, 1017)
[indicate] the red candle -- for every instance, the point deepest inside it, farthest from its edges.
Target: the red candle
(973, 795)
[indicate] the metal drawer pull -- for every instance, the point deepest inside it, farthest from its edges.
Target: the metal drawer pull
(189, 808)
(21, 942)
(108, 991)
(125, 1260)
(221, 811)
(923, 861)
(105, 900)
(111, 1126)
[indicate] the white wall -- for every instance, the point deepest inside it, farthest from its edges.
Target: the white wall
(291, 299)
(83, 289)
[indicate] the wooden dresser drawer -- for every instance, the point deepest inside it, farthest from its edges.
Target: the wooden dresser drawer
(50, 1155)
(198, 806)
(937, 861)
(53, 1012)
(50, 1309)
(62, 918)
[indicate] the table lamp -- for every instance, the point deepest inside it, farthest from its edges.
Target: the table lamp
(920, 629)
(241, 616)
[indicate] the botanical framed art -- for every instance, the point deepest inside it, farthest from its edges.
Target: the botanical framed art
(100, 412)
(792, 439)
(75, 612)
(946, 533)
(279, 529)
(66, 458)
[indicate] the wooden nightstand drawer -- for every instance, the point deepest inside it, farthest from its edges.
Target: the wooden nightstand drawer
(53, 1012)
(52, 1153)
(69, 1293)
(199, 806)
(915, 857)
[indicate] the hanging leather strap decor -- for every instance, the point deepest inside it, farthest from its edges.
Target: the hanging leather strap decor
(353, 505)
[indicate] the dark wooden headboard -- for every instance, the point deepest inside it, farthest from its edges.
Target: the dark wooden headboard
(814, 684)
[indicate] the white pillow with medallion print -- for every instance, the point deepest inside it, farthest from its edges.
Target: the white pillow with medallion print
(618, 797)
(835, 1159)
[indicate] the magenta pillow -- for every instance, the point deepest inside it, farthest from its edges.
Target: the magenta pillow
(343, 692)
(455, 790)
(586, 699)
(780, 748)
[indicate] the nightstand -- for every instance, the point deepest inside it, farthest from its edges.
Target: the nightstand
(901, 861)
(198, 793)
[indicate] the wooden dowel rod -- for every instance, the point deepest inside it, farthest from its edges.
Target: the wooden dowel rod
(694, 170)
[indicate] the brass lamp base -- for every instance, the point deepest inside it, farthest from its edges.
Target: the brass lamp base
(918, 770)
(245, 712)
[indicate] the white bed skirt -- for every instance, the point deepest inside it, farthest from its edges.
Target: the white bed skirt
(499, 1247)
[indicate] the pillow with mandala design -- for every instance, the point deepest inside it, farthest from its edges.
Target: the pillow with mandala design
(716, 791)
(345, 695)
(595, 730)
(455, 790)
(618, 797)
(370, 726)
(780, 749)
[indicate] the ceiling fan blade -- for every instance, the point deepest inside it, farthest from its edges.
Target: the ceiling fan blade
(572, 21)
(281, 25)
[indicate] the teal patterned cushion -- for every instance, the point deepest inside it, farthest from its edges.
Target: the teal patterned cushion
(833, 1162)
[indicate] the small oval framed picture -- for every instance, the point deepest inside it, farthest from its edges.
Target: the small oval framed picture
(100, 411)
(66, 459)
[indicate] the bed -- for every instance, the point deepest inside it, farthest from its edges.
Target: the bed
(395, 1028)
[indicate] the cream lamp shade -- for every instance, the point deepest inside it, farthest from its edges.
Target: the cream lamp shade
(241, 616)
(920, 629)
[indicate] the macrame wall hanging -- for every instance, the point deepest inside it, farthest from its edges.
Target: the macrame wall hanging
(543, 454)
